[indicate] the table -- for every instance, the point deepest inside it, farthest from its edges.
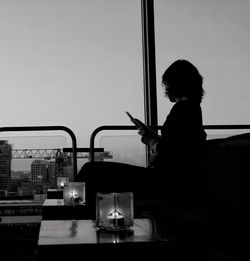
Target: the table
(66, 239)
(70, 239)
(70, 232)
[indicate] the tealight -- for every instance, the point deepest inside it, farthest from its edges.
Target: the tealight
(114, 211)
(74, 193)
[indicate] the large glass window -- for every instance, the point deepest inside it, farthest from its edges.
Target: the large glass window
(72, 63)
(214, 35)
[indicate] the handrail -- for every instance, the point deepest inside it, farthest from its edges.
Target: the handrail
(132, 127)
(101, 128)
(49, 128)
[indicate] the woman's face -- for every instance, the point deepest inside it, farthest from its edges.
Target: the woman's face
(169, 93)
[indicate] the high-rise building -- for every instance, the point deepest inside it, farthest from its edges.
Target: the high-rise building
(39, 173)
(52, 174)
(5, 166)
(59, 162)
(63, 166)
(68, 167)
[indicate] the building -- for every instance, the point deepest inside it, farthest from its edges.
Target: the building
(39, 173)
(15, 212)
(52, 174)
(25, 189)
(5, 166)
(63, 166)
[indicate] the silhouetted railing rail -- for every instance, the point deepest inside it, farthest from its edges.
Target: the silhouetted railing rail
(132, 127)
(49, 128)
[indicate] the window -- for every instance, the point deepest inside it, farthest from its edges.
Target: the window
(71, 63)
(214, 35)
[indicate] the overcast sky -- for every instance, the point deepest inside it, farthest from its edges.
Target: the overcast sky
(78, 63)
(72, 63)
(215, 36)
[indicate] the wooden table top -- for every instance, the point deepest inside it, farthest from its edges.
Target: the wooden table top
(72, 232)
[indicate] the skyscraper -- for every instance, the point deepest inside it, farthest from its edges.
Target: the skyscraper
(39, 173)
(63, 166)
(5, 165)
(52, 174)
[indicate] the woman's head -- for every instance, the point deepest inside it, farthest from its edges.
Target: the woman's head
(182, 79)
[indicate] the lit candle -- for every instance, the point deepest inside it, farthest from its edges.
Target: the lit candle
(62, 185)
(116, 218)
(74, 196)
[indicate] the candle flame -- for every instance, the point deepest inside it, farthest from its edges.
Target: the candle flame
(115, 214)
(73, 194)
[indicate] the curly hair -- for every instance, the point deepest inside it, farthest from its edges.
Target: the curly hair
(182, 79)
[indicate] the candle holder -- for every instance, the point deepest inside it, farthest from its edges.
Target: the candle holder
(74, 193)
(61, 182)
(104, 236)
(114, 211)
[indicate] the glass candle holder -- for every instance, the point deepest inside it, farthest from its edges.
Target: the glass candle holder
(61, 182)
(74, 193)
(114, 211)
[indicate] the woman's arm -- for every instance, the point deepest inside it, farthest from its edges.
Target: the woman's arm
(150, 140)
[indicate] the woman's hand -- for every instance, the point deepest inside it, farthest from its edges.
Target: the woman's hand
(148, 138)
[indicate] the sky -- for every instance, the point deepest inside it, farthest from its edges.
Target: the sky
(72, 63)
(79, 63)
(214, 35)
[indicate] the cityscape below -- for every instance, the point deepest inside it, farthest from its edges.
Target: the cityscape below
(33, 182)
(28, 174)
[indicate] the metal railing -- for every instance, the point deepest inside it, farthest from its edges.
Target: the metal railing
(132, 127)
(50, 128)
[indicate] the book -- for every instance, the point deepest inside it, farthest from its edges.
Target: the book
(141, 126)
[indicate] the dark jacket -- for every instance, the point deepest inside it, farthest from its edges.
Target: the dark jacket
(178, 163)
(182, 135)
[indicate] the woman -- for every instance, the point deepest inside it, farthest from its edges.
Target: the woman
(182, 133)
(173, 173)
(177, 158)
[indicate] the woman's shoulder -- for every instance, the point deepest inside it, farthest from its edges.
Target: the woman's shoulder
(185, 106)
